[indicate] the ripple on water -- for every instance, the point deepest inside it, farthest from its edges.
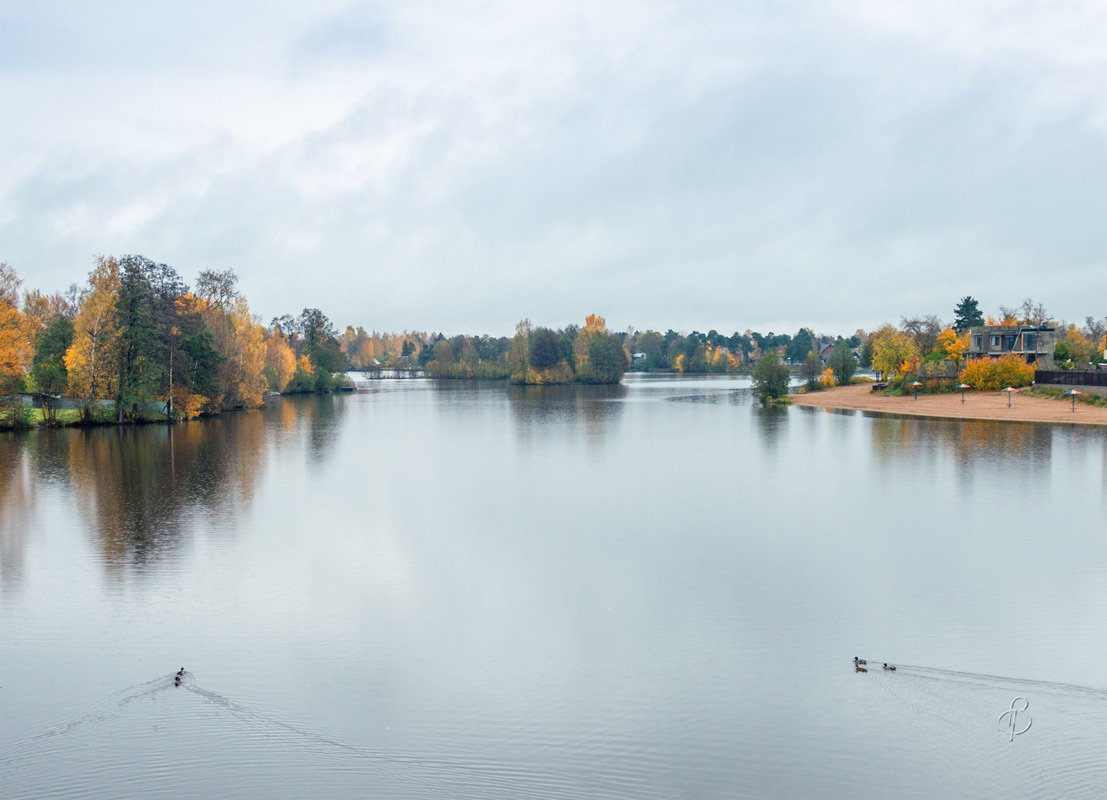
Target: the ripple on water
(158, 740)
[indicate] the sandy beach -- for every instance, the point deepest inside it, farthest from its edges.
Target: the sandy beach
(977, 405)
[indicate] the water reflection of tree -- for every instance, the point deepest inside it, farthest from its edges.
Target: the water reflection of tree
(537, 407)
(138, 487)
(316, 418)
(1021, 447)
(326, 415)
(770, 421)
(16, 500)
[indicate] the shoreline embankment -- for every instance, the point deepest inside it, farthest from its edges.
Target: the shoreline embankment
(976, 405)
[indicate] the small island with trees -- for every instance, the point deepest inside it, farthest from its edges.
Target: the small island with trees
(541, 356)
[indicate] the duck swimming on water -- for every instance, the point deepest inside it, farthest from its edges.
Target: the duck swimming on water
(889, 668)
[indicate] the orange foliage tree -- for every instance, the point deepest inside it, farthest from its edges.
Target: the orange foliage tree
(15, 351)
(246, 357)
(952, 346)
(595, 326)
(280, 361)
(91, 359)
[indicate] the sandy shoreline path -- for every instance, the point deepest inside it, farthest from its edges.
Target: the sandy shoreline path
(978, 405)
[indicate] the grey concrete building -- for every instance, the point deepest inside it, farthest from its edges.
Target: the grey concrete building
(1035, 344)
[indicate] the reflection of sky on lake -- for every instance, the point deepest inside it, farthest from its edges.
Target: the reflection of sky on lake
(647, 590)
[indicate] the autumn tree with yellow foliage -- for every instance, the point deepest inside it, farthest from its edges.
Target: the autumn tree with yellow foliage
(599, 355)
(15, 350)
(996, 374)
(1074, 349)
(91, 359)
(280, 361)
(893, 351)
(244, 356)
(952, 345)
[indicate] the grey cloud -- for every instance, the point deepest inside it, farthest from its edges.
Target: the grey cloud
(722, 169)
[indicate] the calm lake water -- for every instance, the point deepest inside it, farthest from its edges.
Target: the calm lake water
(443, 590)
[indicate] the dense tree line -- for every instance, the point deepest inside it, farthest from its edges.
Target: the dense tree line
(137, 343)
(459, 356)
(697, 352)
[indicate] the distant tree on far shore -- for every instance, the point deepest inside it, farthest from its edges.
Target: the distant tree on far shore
(770, 377)
(842, 362)
(545, 349)
(810, 371)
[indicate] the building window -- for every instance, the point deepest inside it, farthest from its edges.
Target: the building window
(995, 341)
(1009, 342)
(1030, 341)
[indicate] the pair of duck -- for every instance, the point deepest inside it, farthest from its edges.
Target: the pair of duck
(861, 665)
(178, 677)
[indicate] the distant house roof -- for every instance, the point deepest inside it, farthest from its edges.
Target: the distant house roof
(1000, 329)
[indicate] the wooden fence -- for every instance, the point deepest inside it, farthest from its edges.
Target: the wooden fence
(1067, 377)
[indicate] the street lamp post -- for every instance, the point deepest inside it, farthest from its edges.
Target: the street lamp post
(1009, 389)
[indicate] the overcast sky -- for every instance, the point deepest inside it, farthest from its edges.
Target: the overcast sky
(458, 166)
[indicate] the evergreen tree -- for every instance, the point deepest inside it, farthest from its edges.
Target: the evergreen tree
(800, 344)
(140, 345)
(967, 315)
(147, 312)
(48, 364)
